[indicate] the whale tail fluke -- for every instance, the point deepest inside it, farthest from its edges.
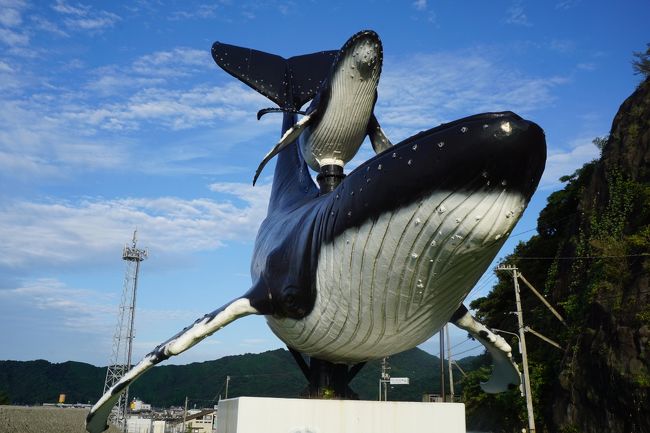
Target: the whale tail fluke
(287, 82)
(96, 421)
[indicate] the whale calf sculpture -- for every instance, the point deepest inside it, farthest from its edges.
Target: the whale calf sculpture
(341, 113)
(382, 262)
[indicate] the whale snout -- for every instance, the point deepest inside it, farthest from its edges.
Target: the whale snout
(365, 54)
(367, 57)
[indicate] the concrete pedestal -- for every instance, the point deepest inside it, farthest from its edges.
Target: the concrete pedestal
(283, 415)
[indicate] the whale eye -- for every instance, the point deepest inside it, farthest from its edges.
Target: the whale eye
(292, 302)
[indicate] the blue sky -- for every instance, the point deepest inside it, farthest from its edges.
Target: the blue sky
(114, 116)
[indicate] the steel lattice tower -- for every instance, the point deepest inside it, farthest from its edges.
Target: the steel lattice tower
(120, 361)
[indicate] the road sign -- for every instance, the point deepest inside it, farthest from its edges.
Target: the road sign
(399, 380)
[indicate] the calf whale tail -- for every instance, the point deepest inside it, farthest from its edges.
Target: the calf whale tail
(287, 82)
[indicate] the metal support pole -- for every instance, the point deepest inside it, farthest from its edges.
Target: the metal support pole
(543, 337)
(130, 335)
(524, 355)
(543, 299)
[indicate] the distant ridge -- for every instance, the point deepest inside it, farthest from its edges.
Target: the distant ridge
(271, 374)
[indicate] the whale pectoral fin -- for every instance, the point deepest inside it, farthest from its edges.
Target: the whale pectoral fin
(96, 421)
(289, 137)
(377, 137)
(505, 373)
(264, 111)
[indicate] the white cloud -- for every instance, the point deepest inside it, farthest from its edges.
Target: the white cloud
(104, 20)
(13, 39)
(61, 232)
(587, 66)
(11, 16)
(174, 109)
(60, 132)
(422, 91)
(562, 46)
(78, 310)
(48, 26)
(155, 70)
(566, 4)
(420, 5)
(83, 17)
(562, 162)
(177, 62)
(203, 11)
(34, 144)
(516, 14)
(64, 8)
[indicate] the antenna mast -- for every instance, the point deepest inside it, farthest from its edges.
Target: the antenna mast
(120, 361)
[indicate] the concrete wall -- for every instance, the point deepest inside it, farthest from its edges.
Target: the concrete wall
(278, 415)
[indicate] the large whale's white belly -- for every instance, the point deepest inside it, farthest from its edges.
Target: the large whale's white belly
(393, 282)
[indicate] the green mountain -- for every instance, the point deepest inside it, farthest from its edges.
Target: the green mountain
(591, 259)
(270, 374)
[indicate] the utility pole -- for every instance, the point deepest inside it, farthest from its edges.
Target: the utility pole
(227, 382)
(443, 395)
(524, 355)
(449, 361)
(385, 378)
(185, 414)
(516, 276)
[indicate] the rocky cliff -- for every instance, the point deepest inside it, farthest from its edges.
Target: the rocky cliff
(591, 258)
(604, 383)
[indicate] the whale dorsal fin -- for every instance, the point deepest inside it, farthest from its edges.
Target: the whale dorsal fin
(287, 82)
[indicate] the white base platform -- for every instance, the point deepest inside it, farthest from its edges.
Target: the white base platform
(285, 415)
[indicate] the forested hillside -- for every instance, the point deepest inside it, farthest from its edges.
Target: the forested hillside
(591, 260)
(273, 374)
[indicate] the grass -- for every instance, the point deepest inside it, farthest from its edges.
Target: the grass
(39, 419)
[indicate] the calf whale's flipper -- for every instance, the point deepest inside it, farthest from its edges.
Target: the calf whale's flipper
(505, 373)
(287, 138)
(96, 421)
(378, 139)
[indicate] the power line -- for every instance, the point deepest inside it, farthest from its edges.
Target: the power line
(480, 287)
(571, 215)
(461, 343)
(465, 351)
(580, 257)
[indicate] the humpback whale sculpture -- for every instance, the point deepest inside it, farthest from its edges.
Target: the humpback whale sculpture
(379, 264)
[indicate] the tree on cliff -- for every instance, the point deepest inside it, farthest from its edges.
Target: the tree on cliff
(641, 64)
